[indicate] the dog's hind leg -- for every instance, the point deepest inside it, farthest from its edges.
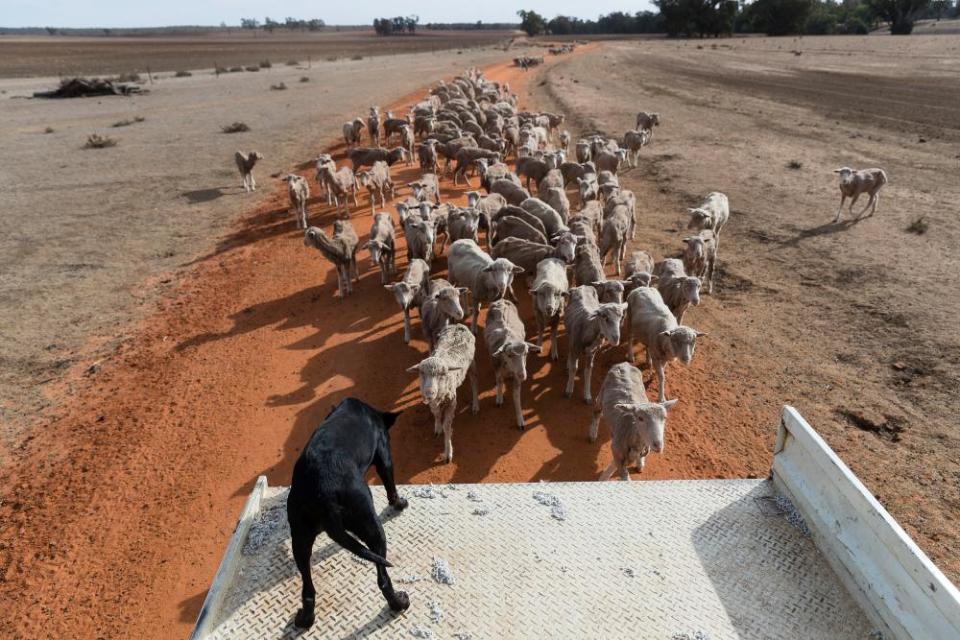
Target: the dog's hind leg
(302, 537)
(367, 527)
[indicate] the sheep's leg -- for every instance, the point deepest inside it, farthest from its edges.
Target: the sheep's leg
(474, 388)
(437, 419)
(253, 183)
(606, 473)
(498, 384)
(339, 283)
(448, 431)
(516, 404)
(622, 469)
(710, 264)
(661, 383)
(511, 296)
(594, 423)
(876, 203)
(843, 198)
(406, 326)
(572, 365)
(356, 272)
(554, 344)
(476, 315)
(853, 201)
(631, 354)
(869, 204)
(540, 328)
(587, 374)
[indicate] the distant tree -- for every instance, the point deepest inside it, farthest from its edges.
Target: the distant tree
(899, 13)
(696, 17)
(316, 24)
(269, 24)
(52, 31)
(411, 22)
(940, 7)
(781, 17)
(249, 23)
(532, 22)
(560, 26)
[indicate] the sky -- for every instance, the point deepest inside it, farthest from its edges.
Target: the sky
(140, 13)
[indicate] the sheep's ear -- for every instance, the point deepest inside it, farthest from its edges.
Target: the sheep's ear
(389, 287)
(701, 334)
(531, 345)
(687, 240)
(462, 289)
(535, 289)
(487, 268)
(517, 269)
(597, 283)
(390, 417)
(838, 170)
(449, 369)
(415, 367)
(622, 406)
(654, 279)
(669, 404)
(499, 351)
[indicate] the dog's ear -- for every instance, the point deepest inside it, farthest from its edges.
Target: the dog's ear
(389, 418)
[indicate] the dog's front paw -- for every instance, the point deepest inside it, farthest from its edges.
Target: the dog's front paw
(400, 601)
(400, 503)
(304, 619)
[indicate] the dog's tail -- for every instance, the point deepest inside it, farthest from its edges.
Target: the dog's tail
(334, 529)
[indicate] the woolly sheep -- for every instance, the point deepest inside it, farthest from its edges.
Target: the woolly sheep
(512, 192)
(504, 333)
(553, 222)
(352, 131)
(377, 181)
(588, 324)
(487, 279)
(325, 160)
(441, 375)
(712, 214)
(549, 292)
(613, 235)
(439, 309)
(298, 190)
(679, 290)
(367, 156)
(650, 321)
(342, 184)
(382, 245)
(853, 183)
(245, 163)
(527, 254)
(410, 291)
(648, 121)
(700, 256)
(636, 425)
(340, 249)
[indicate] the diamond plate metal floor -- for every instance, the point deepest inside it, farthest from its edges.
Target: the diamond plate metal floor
(673, 560)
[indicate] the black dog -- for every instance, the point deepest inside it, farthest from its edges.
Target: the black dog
(329, 493)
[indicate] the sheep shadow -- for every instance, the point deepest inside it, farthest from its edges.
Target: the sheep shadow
(829, 228)
(199, 196)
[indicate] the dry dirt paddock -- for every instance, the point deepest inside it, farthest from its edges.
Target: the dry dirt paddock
(120, 503)
(854, 323)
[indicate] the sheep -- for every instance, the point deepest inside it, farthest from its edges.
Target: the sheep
(245, 163)
(565, 140)
(582, 228)
(650, 320)
(467, 156)
(587, 267)
(393, 125)
(342, 184)
(634, 141)
(588, 324)
(583, 151)
(592, 211)
(325, 160)
(610, 160)
(613, 235)
(463, 223)
(439, 309)
(366, 156)
(679, 290)
(441, 374)
(589, 189)
(514, 227)
(556, 198)
(426, 188)
(298, 191)
(487, 279)
(625, 197)
(340, 249)
(411, 290)
(609, 290)
(373, 125)
(648, 121)
(638, 271)
(420, 235)
(486, 206)
(700, 256)
(408, 142)
(712, 214)
(528, 254)
(636, 424)
(377, 181)
(382, 245)
(531, 168)
(427, 156)
(504, 334)
(554, 178)
(352, 131)
(573, 170)
(553, 222)
(490, 173)
(853, 183)
(549, 293)
(523, 214)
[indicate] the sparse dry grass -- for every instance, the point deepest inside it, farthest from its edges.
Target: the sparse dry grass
(96, 141)
(235, 127)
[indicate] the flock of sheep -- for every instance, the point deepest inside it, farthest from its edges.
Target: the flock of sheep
(473, 125)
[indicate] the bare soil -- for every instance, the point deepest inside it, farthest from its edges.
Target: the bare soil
(26, 56)
(854, 323)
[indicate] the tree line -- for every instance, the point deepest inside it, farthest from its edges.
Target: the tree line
(397, 26)
(703, 18)
(291, 24)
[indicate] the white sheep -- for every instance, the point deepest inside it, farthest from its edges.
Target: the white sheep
(298, 191)
(411, 290)
(588, 324)
(245, 163)
(441, 375)
(549, 292)
(439, 309)
(487, 279)
(712, 214)
(504, 334)
(650, 321)
(853, 183)
(636, 425)
(341, 250)
(382, 245)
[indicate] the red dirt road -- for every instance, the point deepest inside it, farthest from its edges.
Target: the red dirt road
(115, 514)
